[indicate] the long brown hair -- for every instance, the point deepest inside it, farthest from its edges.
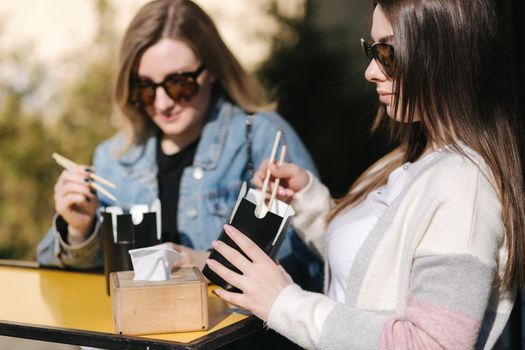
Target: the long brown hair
(186, 21)
(453, 70)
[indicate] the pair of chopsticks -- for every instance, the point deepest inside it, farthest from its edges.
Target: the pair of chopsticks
(69, 165)
(261, 202)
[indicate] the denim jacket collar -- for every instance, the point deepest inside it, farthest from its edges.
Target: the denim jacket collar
(143, 157)
(214, 135)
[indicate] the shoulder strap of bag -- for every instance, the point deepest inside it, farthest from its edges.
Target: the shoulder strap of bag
(249, 141)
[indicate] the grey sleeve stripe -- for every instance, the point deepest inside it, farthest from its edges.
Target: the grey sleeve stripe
(458, 282)
(350, 328)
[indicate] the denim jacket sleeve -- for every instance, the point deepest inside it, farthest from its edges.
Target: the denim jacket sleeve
(54, 251)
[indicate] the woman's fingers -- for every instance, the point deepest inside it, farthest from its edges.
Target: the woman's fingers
(73, 195)
(69, 178)
(169, 245)
(232, 298)
(292, 178)
(226, 274)
(178, 247)
(186, 258)
(76, 180)
(249, 248)
(261, 281)
(260, 174)
(232, 255)
(71, 200)
(76, 188)
(75, 200)
(190, 256)
(283, 171)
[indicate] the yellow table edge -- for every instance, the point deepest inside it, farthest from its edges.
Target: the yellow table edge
(51, 298)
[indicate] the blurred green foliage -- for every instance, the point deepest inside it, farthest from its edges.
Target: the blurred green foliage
(28, 136)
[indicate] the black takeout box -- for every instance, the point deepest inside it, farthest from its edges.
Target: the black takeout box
(267, 230)
(122, 232)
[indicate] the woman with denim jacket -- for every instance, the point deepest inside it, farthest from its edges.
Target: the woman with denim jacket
(195, 123)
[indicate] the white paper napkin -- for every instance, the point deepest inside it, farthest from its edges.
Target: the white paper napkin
(153, 263)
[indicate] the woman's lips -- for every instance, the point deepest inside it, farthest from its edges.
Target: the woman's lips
(170, 117)
(385, 97)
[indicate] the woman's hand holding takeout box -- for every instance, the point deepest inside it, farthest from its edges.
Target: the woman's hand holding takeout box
(261, 281)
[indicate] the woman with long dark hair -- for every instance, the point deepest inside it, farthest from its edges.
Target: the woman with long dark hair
(427, 249)
(194, 124)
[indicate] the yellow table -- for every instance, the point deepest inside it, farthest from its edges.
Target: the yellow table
(73, 308)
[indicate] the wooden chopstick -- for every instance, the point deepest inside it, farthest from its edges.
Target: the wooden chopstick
(69, 165)
(64, 161)
(102, 180)
(260, 203)
(103, 191)
(277, 180)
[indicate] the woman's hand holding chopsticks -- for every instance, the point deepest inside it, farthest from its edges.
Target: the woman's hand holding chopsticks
(75, 197)
(76, 201)
(292, 179)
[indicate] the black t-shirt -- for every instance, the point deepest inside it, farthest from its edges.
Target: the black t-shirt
(171, 168)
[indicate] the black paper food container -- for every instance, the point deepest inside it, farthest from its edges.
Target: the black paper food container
(267, 232)
(128, 236)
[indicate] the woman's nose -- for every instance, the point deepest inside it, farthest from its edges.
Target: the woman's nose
(162, 100)
(374, 73)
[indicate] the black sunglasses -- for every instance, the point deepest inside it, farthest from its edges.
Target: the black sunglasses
(383, 53)
(180, 87)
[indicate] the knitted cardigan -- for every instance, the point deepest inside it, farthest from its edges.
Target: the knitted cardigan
(424, 277)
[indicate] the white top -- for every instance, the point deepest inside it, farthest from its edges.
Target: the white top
(349, 229)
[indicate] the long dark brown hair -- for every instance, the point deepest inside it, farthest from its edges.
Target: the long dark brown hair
(186, 21)
(453, 71)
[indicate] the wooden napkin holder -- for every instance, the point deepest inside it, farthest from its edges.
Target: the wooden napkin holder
(179, 304)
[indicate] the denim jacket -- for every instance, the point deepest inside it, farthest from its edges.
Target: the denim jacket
(208, 188)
